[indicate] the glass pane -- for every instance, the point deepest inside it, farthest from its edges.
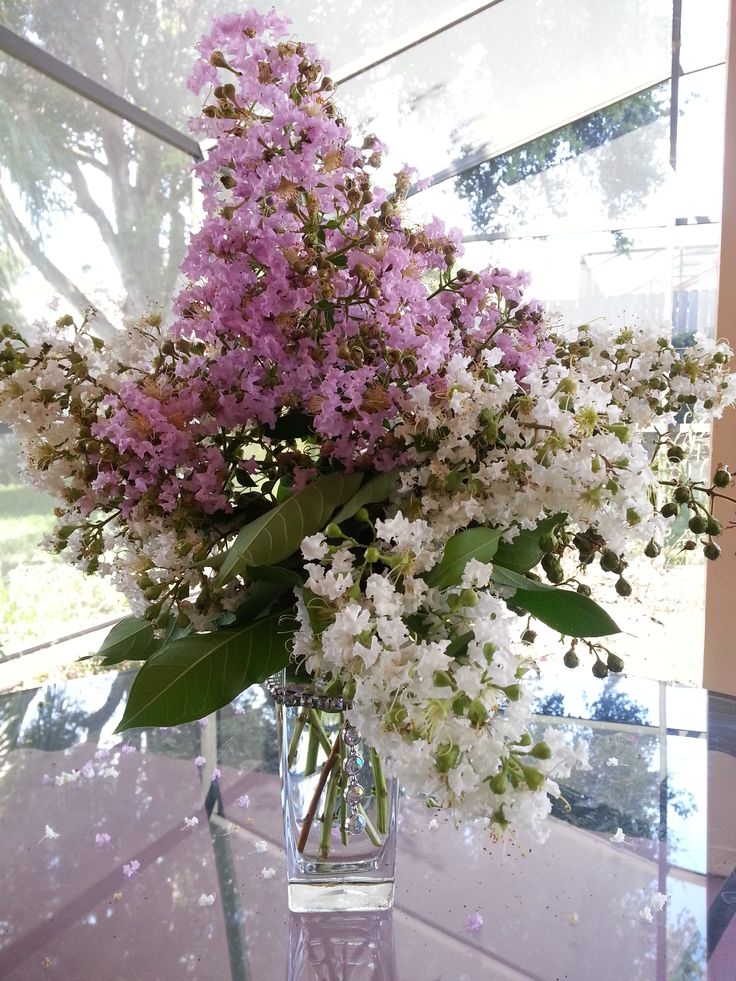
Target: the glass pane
(145, 52)
(93, 210)
(42, 598)
(520, 69)
(700, 134)
(92, 213)
(703, 33)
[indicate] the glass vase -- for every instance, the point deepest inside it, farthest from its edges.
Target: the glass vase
(339, 808)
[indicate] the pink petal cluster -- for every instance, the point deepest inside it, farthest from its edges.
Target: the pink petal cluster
(306, 294)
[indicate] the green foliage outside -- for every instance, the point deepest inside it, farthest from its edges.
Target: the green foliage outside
(41, 597)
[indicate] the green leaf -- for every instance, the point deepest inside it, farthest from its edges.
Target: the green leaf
(258, 600)
(459, 645)
(294, 425)
(319, 611)
(566, 612)
(473, 543)
(506, 577)
(524, 552)
(340, 261)
(373, 491)
(275, 573)
(279, 532)
(129, 640)
(194, 676)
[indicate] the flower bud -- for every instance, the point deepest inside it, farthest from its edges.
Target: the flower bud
(722, 478)
(599, 669)
(534, 778)
(571, 660)
(499, 783)
(614, 663)
(712, 551)
(541, 751)
(477, 714)
(446, 757)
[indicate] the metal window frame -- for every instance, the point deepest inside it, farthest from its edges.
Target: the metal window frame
(30, 54)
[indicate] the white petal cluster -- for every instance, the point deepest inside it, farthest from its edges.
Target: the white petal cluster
(445, 725)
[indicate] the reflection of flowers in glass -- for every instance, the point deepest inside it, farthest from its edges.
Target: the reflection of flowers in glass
(130, 869)
(206, 899)
(475, 922)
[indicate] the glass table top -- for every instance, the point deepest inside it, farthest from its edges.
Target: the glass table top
(107, 876)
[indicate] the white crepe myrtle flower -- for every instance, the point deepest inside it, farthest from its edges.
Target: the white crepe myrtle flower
(190, 822)
(314, 547)
(618, 837)
(612, 761)
(645, 915)
(49, 834)
(261, 847)
(268, 873)
(658, 901)
(206, 899)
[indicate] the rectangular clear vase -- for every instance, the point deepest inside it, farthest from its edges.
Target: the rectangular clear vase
(339, 808)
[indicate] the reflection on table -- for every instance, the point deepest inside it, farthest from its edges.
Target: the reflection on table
(107, 876)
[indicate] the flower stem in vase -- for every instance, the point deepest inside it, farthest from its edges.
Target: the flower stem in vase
(328, 817)
(381, 791)
(296, 736)
(314, 803)
(315, 720)
(369, 829)
(344, 836)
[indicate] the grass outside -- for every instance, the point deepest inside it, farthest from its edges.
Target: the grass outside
(41, 597)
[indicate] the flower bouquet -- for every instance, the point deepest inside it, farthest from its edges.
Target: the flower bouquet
(356, 467)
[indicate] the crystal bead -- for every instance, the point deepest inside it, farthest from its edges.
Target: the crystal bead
(351, 736)
(356, 824)
(354, 764)
(354, 794)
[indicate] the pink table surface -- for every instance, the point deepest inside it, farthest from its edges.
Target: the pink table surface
(568, 909)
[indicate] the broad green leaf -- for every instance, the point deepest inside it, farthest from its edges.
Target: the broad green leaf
(129, 640)
(524, 552)
(279, 532)
(566, 612)
(507, 577)
(473, 543)
(275, 573)
(373, 491)
(258, 600)
(194, 676)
